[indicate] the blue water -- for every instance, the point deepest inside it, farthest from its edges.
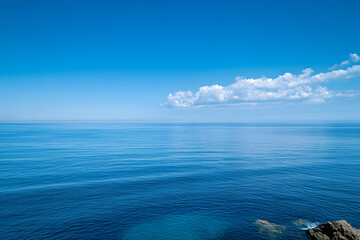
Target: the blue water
(175, 181)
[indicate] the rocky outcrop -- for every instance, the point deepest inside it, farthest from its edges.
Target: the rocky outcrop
(337, 230)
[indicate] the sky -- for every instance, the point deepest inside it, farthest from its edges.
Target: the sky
(180, 61)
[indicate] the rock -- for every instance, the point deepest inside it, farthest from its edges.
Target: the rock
(301, 222)
(337, 230)
(179, 227)
(268, 228)
(305, 225)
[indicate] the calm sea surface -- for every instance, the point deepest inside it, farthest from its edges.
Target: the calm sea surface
(175, 181)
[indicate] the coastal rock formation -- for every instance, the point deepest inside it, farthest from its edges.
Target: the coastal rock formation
(337, 230)
(268, 228)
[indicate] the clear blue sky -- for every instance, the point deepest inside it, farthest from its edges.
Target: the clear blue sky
(119, 60)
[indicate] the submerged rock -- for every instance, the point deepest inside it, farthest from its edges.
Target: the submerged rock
(304, 224)
(268, 228)
(300, 222)
(337, 230)
(179, 227)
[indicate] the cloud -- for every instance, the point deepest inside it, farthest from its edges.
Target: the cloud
(304, 87)
(346, 62)
(353, 57)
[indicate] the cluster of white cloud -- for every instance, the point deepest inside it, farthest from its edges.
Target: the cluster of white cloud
(353, 57)
(287, 87)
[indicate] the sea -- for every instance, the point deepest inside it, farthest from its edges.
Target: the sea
(157, 181)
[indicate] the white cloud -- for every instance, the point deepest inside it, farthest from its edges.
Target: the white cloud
(287, 87)
(346, 62)
(354, 57)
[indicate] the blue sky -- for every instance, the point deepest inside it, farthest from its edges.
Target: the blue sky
(120, 60)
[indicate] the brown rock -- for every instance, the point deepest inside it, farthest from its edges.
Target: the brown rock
(337, 230)
(301, 222)
(268, 228)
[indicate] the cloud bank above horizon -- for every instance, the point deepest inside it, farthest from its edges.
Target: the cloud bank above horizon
(288, 87)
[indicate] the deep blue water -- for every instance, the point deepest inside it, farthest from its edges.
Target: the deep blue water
(174, 181)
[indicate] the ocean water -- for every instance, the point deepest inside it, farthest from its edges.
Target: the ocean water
(175, 181)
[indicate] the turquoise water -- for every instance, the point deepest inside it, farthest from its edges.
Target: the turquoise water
(175, 181)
